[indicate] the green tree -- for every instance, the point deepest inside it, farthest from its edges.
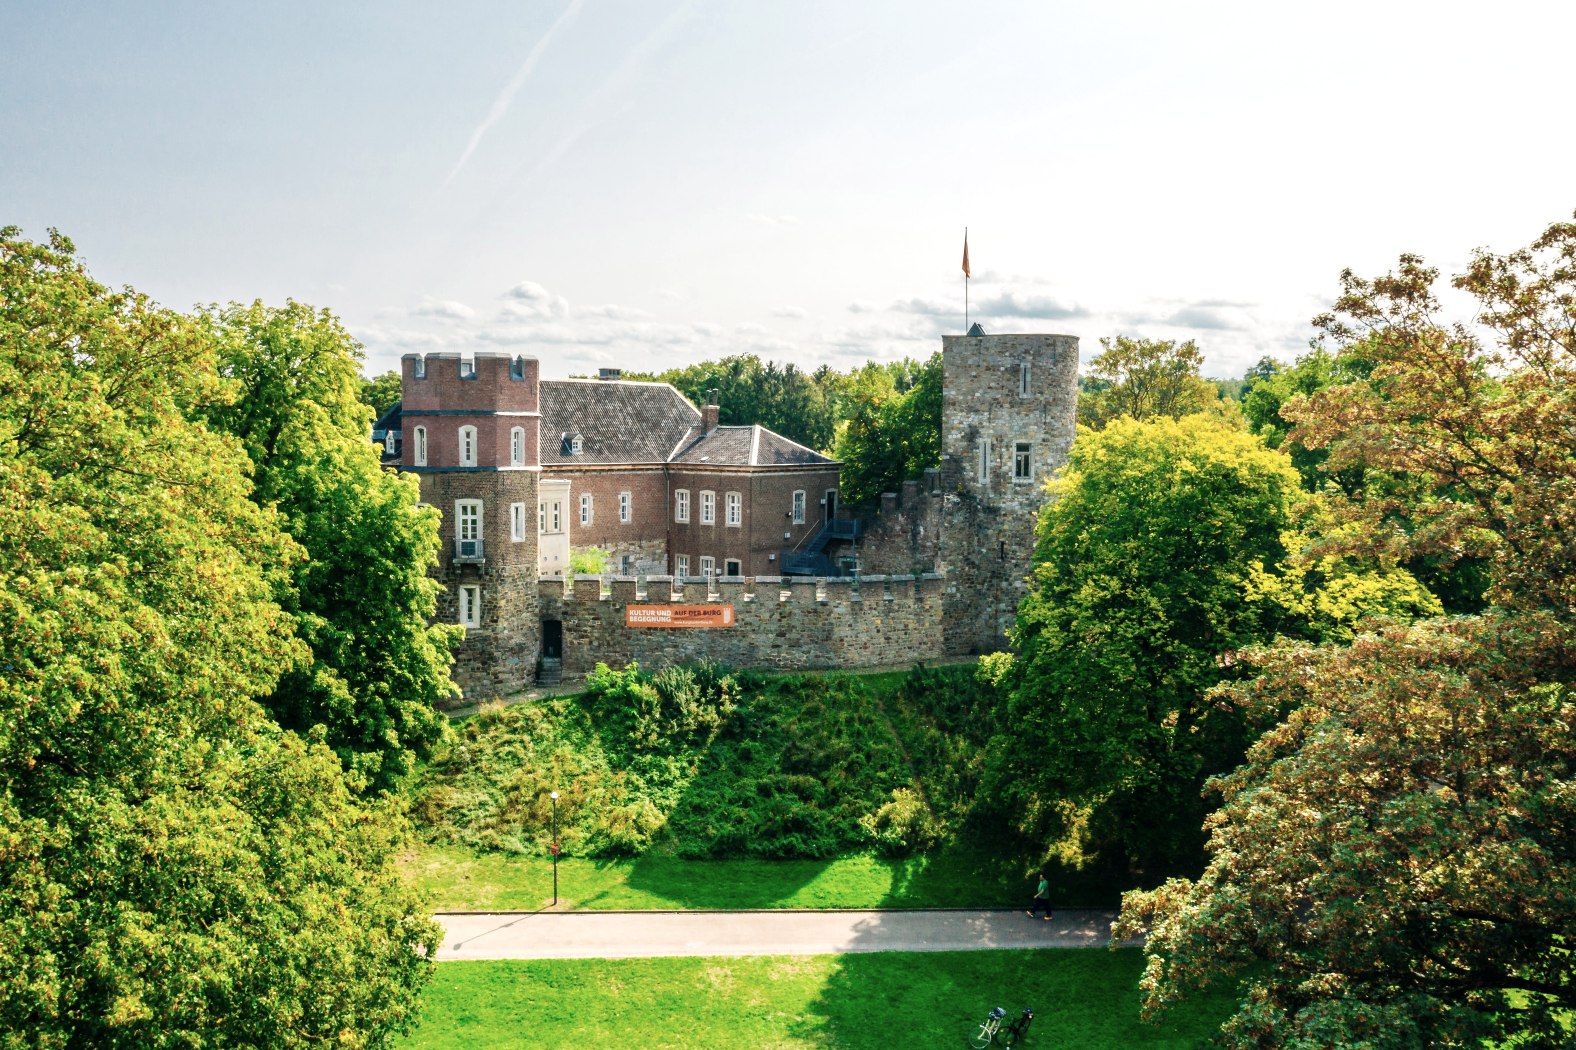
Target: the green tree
(1144, 378)
(174, 869)
(779, 397)
(892, 437)
(1392, 867)
(1164, 550)
(1420, 796)
(362, 597)
(381, 393)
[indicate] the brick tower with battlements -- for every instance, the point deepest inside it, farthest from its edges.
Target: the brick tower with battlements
(471, 434)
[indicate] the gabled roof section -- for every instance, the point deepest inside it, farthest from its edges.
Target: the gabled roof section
(616, 421)
(752, 446)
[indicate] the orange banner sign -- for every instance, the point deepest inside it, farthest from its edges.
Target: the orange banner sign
(678, 616)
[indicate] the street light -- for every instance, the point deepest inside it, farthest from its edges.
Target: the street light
(554, 847)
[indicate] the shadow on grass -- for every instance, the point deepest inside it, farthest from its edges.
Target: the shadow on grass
(1083, 997)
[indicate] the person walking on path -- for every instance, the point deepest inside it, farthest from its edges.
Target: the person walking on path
(1042, 897)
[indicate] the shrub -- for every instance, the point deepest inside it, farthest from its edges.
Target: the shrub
(903, 826)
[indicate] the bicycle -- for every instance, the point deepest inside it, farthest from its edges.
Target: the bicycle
(991, 1029)
(982, 1035)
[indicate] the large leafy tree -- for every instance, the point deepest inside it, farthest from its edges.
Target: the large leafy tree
(174, 870)
(1163, 551)
(1426, 887)
(1144, 378)
(381, 393)
(892, 437)
(361, 597)
(1393, 867)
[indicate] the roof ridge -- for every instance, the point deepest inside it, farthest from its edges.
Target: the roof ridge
(755, 444)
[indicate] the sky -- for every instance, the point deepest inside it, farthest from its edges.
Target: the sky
(643, 185)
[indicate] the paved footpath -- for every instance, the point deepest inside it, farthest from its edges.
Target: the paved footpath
(632, 934)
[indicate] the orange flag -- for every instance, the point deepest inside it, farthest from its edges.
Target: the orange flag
(966, 254)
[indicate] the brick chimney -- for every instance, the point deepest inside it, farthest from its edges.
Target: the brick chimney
(709, 413)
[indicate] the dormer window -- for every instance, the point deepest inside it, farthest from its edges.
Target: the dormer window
(467, 366)
(569, 445)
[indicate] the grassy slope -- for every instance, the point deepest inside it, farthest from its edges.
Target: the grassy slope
(1081, 998)
(485, 804)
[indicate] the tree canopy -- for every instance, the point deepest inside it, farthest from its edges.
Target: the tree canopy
(1395, 865)
(174, 869)
(1144, 378)
(1165, 548)
(361, 597)
(892, 437)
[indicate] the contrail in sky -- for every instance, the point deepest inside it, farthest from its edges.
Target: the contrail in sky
(500, 104)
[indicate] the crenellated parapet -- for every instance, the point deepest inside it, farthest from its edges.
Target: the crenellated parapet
(790, 624)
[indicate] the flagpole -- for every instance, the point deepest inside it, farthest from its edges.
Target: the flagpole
(965, 280)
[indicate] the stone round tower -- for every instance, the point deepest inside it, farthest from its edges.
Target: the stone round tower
(1009, 408)
(470, 432)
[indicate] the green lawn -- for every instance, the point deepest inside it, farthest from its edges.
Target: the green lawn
(460, 879)
(1082, 998)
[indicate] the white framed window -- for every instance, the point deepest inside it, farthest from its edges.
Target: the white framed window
(550, 517)
(468, 519)
(798, 506)
(1022, 461)
(517, 522)
(467, 446)
(585, 508)
(681, 565)
(419, 447)
(732, 567)
(1023, 379)
(708, 508)
(470, 604)
(681, 504)
(517, 447)
(626, 507)
(984, 458)
(467, 366)
(708, 565)
(734, 504)
(468, 529)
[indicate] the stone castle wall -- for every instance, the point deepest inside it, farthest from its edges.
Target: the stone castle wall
(787, 624)
(904, 535)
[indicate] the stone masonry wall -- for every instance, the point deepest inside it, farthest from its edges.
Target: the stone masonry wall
(788, 624)
(904, 534)
(988, 519)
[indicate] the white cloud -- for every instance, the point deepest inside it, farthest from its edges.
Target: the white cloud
(795, 312)
(429, 307)
(529, 300)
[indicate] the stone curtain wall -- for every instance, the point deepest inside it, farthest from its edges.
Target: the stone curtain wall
(786, 624)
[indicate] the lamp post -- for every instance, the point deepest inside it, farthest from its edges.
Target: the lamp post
(554, 847)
